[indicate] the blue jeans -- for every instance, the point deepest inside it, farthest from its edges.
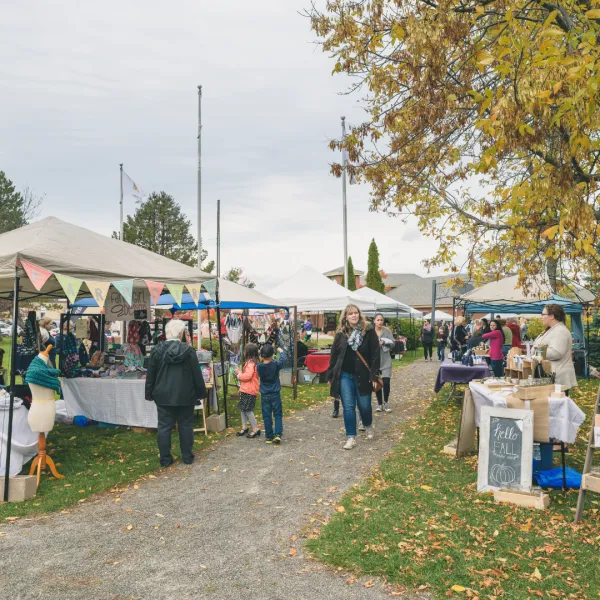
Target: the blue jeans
(497, 367)
(441, 349)
(271, 406)
(350, 398)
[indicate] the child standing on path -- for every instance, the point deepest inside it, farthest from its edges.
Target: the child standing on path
(248, 377)
(270, 393)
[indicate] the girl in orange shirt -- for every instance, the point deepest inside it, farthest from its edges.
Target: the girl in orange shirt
(249, 386)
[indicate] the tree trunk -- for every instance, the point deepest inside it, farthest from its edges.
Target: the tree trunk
(551, 267)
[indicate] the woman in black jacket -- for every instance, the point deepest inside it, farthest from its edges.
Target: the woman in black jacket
(427, 334)
(460, 335)
(350, 378)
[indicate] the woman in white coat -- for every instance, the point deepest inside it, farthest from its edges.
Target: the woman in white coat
(559, 345)
(386, 344)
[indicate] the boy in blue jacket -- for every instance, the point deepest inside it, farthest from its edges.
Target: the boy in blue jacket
(270, 393)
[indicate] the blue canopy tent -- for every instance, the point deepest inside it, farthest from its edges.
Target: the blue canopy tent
(504, 296)
(229, 296)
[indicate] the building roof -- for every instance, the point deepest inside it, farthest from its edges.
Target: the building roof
(392, 280)
(416, 291)
(340, 271)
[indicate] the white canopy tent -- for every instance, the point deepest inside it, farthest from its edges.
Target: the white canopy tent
(388, 306)
(310, 291)
(440, 315)
(77, 252)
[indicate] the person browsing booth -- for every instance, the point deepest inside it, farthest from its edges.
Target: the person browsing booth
(270, 393)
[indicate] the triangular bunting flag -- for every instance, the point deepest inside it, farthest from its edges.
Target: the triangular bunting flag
(99, 290)
(125, 288)
(37, 275)
(176, 292)
(70, 286)
(195, 290)
(155, 290)
(211, 288)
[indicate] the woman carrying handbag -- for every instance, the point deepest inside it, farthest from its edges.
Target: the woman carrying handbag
(353, 370)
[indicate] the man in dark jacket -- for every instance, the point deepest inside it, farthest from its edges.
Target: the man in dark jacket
(175, 383)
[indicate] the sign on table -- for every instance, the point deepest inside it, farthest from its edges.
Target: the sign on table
(116, 309)
(505, 449)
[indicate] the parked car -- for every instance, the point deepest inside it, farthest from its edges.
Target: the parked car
(7, 329)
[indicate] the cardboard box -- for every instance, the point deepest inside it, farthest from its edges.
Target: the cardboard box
(537, 499)
(215, 422)
(541, 415)
(534, 392)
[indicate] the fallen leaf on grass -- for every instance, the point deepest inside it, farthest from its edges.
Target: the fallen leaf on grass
(427, 488)
(340, 509)
(369, 584)
(536, 574)
(458, 588)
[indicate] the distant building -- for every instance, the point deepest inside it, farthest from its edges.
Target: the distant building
(415, 290)
(338, 274)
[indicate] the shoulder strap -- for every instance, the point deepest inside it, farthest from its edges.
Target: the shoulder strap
(363, 360)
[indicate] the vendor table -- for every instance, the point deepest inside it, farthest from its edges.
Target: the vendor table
(565, 416)
(318, 362)
(116, 401)
(454, 373)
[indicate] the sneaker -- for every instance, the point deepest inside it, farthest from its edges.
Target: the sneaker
(277, 439)
(386, 407)
(378, 409)
(269, 440)
(350, 443)
(361, 427)
(370, 432)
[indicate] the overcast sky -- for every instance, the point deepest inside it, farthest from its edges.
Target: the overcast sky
(85, 86)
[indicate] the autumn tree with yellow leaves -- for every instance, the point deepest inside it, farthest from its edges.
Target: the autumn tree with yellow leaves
(482, 122)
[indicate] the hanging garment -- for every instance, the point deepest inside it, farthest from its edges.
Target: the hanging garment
(133, 332)
(132, 356)
(84, 357)
(145, 334)
(94, 331)
(233, 324)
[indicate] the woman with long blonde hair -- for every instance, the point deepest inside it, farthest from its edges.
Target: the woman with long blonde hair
(353, 367)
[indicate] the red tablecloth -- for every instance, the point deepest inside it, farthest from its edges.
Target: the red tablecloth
(317, 363)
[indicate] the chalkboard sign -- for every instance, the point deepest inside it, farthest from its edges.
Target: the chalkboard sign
(505, 449)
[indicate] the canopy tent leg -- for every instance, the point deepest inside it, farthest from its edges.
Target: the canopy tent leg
(587, 344)
(295, 351)
(221, 351)
(13, 363)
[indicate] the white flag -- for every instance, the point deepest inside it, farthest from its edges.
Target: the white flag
(130, 188)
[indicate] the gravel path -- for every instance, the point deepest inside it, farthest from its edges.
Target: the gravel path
(222, 528)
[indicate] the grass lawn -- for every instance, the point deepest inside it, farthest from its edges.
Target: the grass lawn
(419, 522)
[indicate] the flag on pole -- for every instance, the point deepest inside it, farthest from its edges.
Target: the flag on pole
(130, 188)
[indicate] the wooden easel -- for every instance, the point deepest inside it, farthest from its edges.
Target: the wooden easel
(589, 481)
(42, 460)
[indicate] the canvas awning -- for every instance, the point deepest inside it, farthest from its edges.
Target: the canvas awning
(312, 292)
(440, 315)
(74, 251)
(387, 306)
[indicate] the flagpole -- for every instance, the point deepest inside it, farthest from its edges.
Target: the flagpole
(199, 191)
(345, 211)
(121, 204)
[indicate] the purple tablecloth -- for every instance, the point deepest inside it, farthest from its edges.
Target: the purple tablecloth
(458, 373)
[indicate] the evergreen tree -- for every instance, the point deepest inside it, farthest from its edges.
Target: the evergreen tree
(159, 225)
(18, 208)
(374, 279)
(351, 275)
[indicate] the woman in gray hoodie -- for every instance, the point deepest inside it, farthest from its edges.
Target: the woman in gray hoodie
(386, 345)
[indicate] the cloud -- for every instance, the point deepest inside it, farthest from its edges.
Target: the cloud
(93, 85)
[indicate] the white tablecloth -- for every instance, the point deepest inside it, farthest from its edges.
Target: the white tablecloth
(117, 401)
(24, 442)
(565, 416)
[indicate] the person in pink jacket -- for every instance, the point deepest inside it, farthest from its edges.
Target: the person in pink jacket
(249, 386)
(496, 338)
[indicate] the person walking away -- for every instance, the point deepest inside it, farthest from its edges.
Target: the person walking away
(353, 367)
(558, 342)
(496, 338)
(249, 387)
(524, 329)
(270, 393)
(507, 337)
(386, 344)
(427, 340)
(442, 340)
(516, 332)
(175, 383)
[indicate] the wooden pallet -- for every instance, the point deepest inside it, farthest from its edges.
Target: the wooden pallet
(590, 481)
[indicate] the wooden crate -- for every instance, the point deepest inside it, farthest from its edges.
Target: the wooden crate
(534, 391)
(590, 482)
(537, 499)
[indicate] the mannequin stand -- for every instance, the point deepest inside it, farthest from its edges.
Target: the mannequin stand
(42, 460)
